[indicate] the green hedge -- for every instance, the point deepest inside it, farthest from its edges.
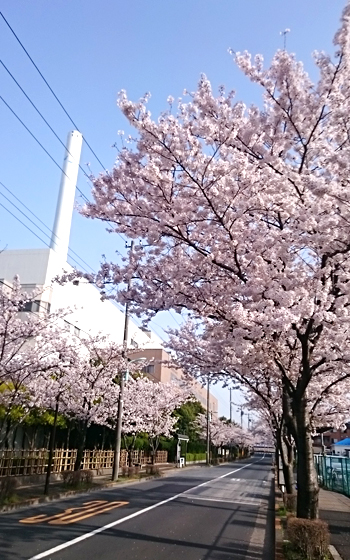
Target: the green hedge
(195, 456)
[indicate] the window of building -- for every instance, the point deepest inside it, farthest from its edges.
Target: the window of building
(27, 307)
(148, 369)
(36, 306)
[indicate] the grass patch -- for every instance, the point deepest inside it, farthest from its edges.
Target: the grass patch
(291, 553)
(282, 511)
(14, 499)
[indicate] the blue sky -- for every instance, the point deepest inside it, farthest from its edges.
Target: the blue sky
(89, 50)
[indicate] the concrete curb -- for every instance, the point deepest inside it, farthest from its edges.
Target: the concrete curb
(278, 526)
(334, 553)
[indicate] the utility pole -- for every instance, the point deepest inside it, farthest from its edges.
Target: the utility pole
(208, 422)
(284, 35)
(240, 408)
(231, 405)
(118, 438)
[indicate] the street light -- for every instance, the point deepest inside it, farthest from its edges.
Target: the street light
(118, 440)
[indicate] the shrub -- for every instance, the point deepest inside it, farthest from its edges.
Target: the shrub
(290, 501)
(77, 478)
(310, 536)
(8, 485)
(195, 457)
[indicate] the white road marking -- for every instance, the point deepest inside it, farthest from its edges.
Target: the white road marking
(254, 501)
(131, 516)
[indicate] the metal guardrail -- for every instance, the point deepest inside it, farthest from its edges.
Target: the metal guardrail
(333, 473)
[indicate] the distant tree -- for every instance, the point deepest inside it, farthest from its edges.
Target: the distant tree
(187, 416)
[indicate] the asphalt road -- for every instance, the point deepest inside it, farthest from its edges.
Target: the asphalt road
(217, 513)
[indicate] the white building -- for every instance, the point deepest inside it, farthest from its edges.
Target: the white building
(37, 268)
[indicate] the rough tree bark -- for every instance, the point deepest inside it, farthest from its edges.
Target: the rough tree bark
(308, 490)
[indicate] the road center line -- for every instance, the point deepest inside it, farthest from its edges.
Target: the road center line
(131, 516)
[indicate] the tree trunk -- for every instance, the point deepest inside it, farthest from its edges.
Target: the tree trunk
(287, 456)
(68, 434)
(307, 502)
(286, 452)
(24, 435)
(51, 448)
(103, 438)
(81, 446)
(154, 446)
(7, 433)
(131, 450)
(14, 436)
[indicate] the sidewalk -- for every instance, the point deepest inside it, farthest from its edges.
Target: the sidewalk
(335, 509)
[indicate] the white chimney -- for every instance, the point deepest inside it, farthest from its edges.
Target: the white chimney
(65, 202)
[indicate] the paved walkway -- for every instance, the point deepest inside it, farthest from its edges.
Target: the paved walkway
(335, 509)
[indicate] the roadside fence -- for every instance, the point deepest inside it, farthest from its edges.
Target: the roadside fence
(17, 462)
(333, 473)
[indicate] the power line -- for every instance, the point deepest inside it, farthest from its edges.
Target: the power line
(173, 317)
(33, 232)
(23, 224)
(50, 156)
(46, 122)
(50, 88)
(42, 231)
(32, 135)
(50, 127)
(41, 145)
(40, 114)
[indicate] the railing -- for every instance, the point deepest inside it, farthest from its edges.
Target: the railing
(333, 473)
(31, 462)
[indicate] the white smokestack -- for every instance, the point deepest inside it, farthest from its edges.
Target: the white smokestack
(65, 202)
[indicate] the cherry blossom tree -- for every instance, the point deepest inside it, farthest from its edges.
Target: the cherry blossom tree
(53, 387)
(148, 407)
(244, 219)
(98, 364)
(29, 344)
(224, 433)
